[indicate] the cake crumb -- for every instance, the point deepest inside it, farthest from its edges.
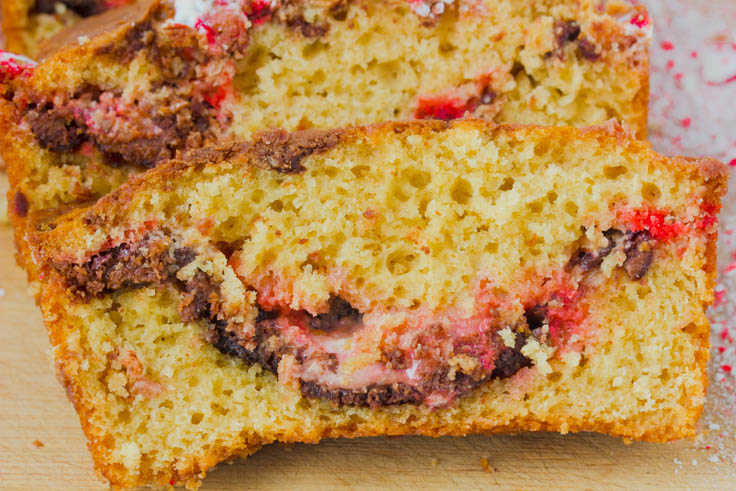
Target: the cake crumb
(38, 443)
(485, 465)
(435, 462)
(508, 337)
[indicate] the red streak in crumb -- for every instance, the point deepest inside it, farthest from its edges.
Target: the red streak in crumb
(686, 122)
(721, 349)
(205, 225)
(207, 29)
(172, 482)
(670, 65)
(214, 99)
(260, 11)
(562, 319)
(710, 212)
(667, 46)
(441, 107)
(640, 20)
(87, 150)
(693, 54)
(730, 267)
(726, 368)
(732, 163)
(654, 221)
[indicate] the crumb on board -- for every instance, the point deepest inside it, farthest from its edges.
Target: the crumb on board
(485, 465)
(37, 443)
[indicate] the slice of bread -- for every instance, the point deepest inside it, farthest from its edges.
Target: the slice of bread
(130, 88)
(28, 24)
(407, 278)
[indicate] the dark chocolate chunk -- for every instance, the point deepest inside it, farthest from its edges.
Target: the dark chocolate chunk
(84, 8)
(487, 96)
(20, 204)
(565, 32)
(150, 261)
(588, 49)
(588, 260)
(511, 360)
(54, 129)
(535, 316)
(341, 314)
(226, 342)
(176, 130)
(306, 29)
(142, 152)
(373, 396)
(639, 254)
(266, 315)
(201, 298)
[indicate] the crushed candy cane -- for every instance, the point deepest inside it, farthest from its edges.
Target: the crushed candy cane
(12, 66)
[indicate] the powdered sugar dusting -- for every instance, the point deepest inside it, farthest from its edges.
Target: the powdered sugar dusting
(693, 96)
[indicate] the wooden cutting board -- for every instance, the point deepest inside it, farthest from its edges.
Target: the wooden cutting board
(42, 445)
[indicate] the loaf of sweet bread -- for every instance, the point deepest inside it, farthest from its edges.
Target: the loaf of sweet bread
(408, 278)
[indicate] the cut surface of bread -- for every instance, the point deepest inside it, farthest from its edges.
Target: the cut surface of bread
(28, 24)
(407, 278)
(166, 76)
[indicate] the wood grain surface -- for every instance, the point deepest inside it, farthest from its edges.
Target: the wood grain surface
(42, 446)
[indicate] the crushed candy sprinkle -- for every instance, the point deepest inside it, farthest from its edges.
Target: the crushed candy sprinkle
(13, 66)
